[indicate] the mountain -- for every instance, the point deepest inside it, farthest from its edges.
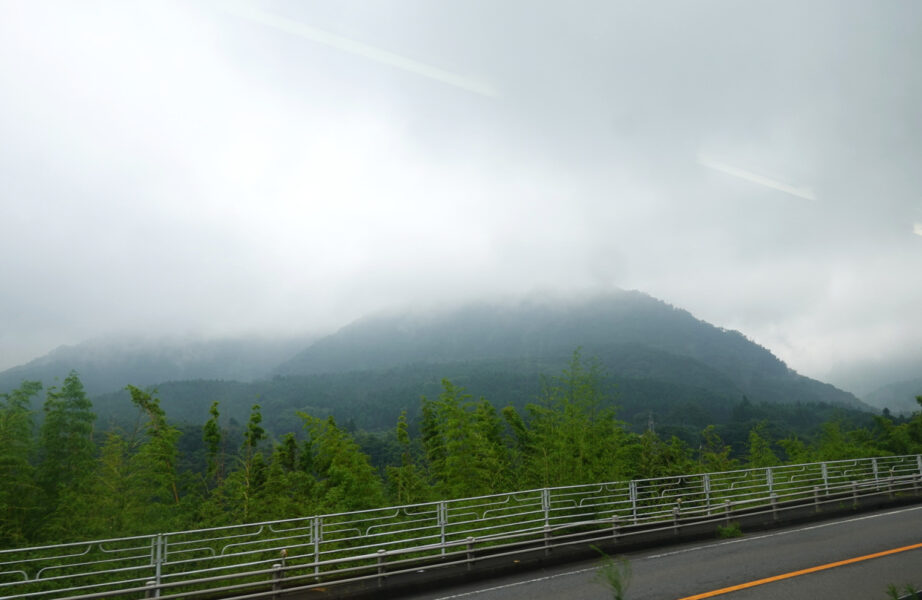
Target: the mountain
(899, 397)
(660, 362)
(866, 377)
(109, 364)
(634, 336)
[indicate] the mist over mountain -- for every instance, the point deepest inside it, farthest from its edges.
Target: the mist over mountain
(658, 361)
(632, 334)
(898, 397)
(109, 364)
(865, 378)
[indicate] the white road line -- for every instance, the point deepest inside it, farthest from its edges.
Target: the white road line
(654, 556)
(510, 585)
(780, 533)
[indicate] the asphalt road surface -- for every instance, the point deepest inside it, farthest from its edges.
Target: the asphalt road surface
(855, 557)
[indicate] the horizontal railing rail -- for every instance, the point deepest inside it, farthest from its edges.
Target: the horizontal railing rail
(257, 560)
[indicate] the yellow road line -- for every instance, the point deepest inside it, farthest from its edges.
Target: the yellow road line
(832, 565)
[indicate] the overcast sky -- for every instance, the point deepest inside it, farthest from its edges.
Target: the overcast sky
(280, 167)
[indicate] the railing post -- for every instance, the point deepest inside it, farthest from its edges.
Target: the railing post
(876, 476)
(770, 481)
(158, 563)
(546, 506)
(382, 553)
(546, 509)
(442, 516)
(614, 527)
(152, 590)
(470, 553)
(816, 498)
(826, 478)
(317, 525)
(855, 494)
(707, 492)
(276, 579)
(633, 492)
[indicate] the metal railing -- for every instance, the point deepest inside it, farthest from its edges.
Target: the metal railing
(258, 560)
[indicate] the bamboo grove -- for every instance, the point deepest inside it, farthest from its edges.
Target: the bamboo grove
(63, 479)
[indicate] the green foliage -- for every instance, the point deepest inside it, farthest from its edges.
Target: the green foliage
(211, 435)
(345, 479)
(572, 436)
(462, 441)
(659, 458)
(713, 454)
(760, 450)
(909, 591)
(731, 530)
(67, 483)
(152, 476)
(615, 574)
(406, 482)
(66, 454)
(18, 492)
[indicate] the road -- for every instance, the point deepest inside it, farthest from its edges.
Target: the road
(832, 559)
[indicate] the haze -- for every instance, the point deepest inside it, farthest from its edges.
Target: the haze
(285, 167)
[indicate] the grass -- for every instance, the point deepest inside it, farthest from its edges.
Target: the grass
(908, 592)
(731, 530)
(615, 574)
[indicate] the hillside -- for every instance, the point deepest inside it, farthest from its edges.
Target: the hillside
(109, 364)
(632, 334)
(659, 362)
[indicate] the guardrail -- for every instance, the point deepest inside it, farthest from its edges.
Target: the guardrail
(264, 560)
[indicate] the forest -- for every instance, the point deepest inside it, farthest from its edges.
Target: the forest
(65, 478)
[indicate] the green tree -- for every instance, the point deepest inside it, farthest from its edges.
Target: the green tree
(117, 509)
(18, 491)
(463, 445)
(658, 458)
(714, 454)
(573, 436)
(345, 479)
(760, 450)
(214, 445)
(152, 476)
(288, 490)
(796, 450)
(239, 497)
(405, 483)
(67, 455)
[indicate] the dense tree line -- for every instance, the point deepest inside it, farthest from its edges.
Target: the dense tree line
(64, 479)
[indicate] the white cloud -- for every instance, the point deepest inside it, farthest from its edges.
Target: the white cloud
(173, 166)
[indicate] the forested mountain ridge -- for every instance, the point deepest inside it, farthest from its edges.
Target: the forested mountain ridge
(109, 364)
(631, 333)
(660, 362)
